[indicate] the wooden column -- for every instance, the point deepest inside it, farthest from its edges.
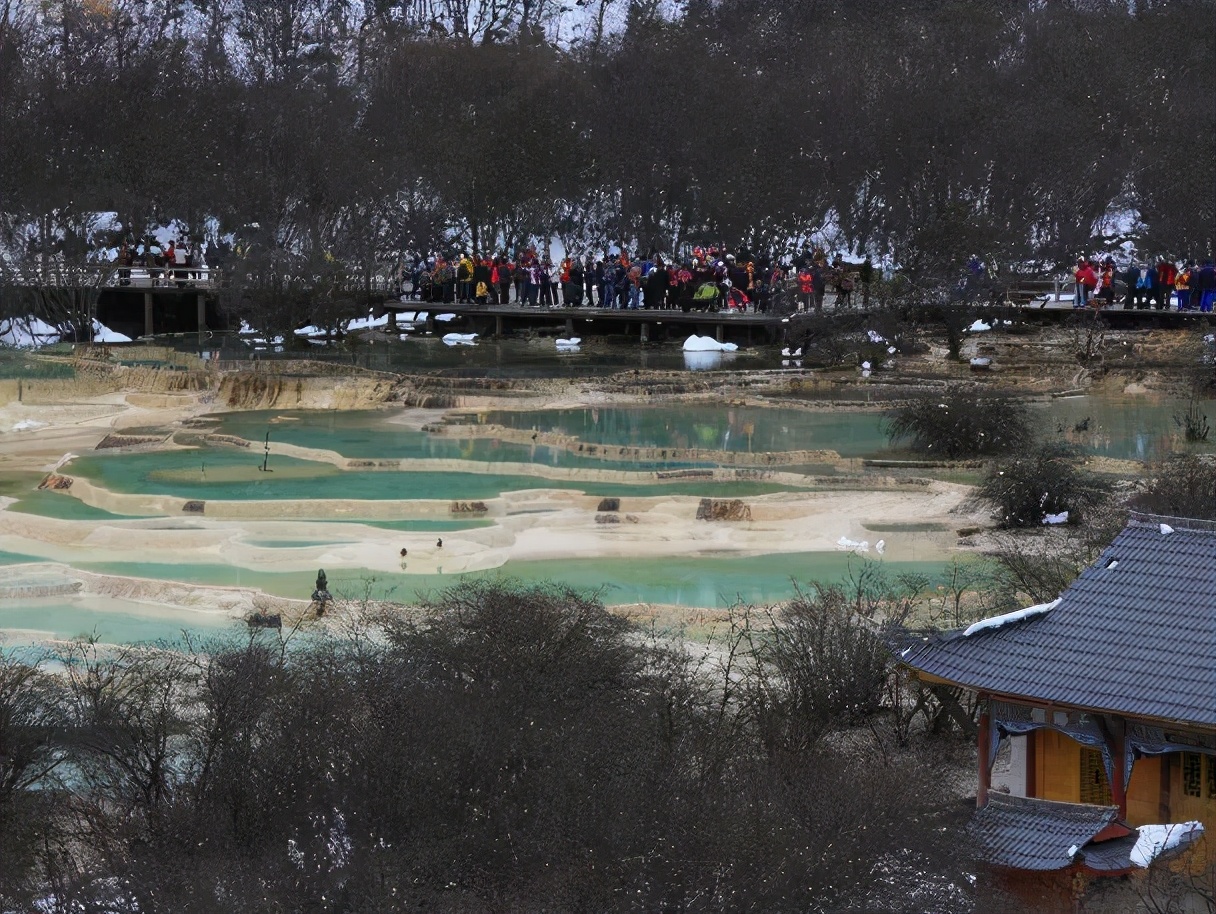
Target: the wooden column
(498, 325)
(1032, 765)
(201, 301)
(1118, 788)
(569, 326)
(148, 322)
(645, 332)
(718, 332)
(985, 769)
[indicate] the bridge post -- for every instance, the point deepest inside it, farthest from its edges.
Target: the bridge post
(148, 322)
(718, 332)
(498, 325)
(645, 332)
(569, 326)
(201, 301)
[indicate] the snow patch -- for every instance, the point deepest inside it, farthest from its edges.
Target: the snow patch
(460, 339)
(979, 327)
(571, 343)
(1154, 840)
(1008, 618)
(27, 333)
(845, 543)
(445, 317)
(707, 344)
(1052, 519)
(875, 337)
(1166, 529)
(28, 425)
(103, 334)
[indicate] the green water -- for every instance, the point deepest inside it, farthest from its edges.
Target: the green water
(368, 434)
(690, 581)
(230, 474)
(746, 429)
(1126, 428)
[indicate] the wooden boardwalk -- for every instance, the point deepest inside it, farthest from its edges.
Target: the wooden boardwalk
(646, 325)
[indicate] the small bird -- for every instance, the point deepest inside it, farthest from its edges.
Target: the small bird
(439, 543)
(404, 553)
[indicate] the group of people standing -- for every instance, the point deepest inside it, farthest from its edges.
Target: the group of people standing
(1145, 284)
(158, 260)
(707, 280)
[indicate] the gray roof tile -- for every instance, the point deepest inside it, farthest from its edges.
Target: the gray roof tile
(1138, 638)
(1029, 834)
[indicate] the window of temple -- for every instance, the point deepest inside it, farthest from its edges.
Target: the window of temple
(1094, 786)
(1192, 774)
(1211, 762)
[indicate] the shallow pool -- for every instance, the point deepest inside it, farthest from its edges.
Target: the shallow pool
(745, 429)
(233, 474)
(106, 619)
(707, 581)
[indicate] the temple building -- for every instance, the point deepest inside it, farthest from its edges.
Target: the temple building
(1103, 703)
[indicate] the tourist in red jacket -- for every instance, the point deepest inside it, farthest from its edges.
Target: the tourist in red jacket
(1087, 281)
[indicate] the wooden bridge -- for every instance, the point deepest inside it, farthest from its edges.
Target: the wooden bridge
(647, 326)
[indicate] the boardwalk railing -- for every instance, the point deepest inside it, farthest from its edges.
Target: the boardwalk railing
(173, 276)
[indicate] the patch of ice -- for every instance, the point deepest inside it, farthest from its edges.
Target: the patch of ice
(1051, 519)
(567, 344)
(880, 547)
(707, 344)
(460, 339)
(979, 327)
(28, 425)
(1154, 840)
(445, 317)
(1166, 529)
(845, 543)
(1007, 618)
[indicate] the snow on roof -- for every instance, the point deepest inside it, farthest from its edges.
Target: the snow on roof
(1008, 618)
(1155, 840)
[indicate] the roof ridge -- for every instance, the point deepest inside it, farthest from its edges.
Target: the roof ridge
(1192, 524)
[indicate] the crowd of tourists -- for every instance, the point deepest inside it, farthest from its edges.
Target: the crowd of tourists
(708, 279)
(1145, 284)
(159, 261)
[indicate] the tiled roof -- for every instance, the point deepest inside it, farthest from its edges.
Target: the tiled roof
(1028, 834)
(1134, 634)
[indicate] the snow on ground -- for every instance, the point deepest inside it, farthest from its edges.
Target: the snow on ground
(27, 333)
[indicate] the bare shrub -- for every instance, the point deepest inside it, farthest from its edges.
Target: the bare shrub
(956, 425)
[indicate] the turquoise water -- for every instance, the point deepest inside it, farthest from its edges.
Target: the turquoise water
(230, 474)
(56, 504)
(689, 581)
(16, 558)
(747, 429)
(22, 622)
